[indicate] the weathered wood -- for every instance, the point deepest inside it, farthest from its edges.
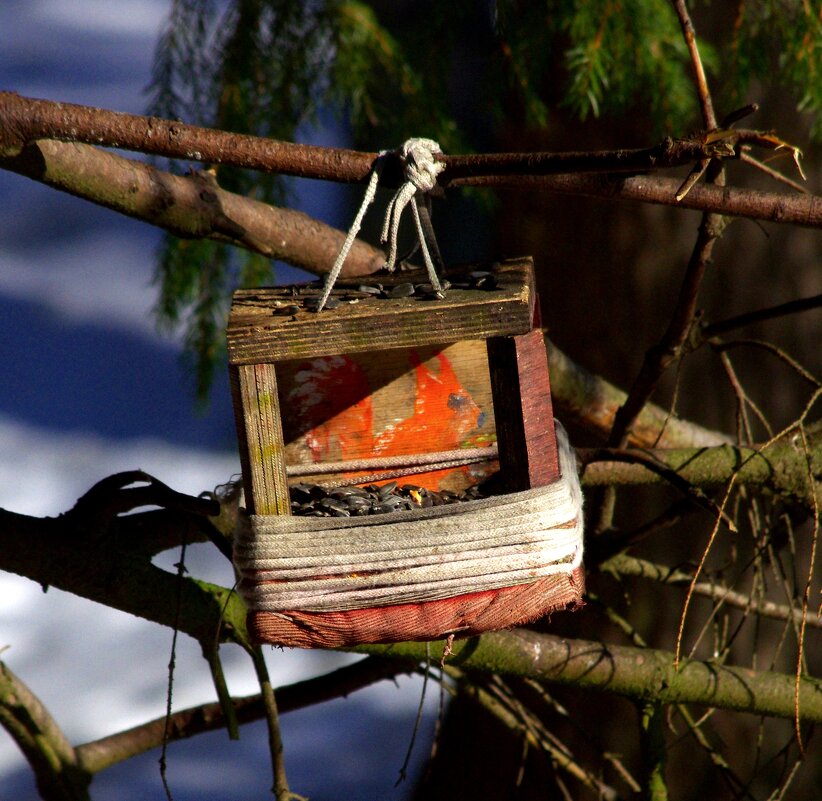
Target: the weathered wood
(521, 389)
(262, 450)
(256, 334)
(398, 402)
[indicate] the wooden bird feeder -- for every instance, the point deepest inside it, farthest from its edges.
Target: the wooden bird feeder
(337, 395)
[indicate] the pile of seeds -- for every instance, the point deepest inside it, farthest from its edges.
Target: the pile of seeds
(314, 500)
(477, 279)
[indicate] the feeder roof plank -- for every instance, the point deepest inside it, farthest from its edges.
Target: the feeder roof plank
(259, 332)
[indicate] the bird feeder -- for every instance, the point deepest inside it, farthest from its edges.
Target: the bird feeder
(374, 386)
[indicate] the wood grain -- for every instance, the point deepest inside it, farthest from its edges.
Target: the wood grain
(262, 450)
(521, 388)
(255, 333)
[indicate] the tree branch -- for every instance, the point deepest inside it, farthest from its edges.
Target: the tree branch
(116, 572)
(25, 120)
(625, 565)
(193, 206)
(781, 467)
(591, 402)
(801, 210)
(100, 754)
(51, 757)
(639, 673)
(702, 91)
(760, 316)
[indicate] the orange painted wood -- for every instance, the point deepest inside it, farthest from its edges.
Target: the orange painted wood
(399, 402)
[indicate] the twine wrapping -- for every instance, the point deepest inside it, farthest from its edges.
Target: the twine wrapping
(421, 574)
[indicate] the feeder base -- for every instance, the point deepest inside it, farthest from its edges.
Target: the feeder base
(463, 616)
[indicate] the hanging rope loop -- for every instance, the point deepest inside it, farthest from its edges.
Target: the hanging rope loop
(420, 168)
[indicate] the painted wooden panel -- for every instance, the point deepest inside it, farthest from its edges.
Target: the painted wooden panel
(390, 403)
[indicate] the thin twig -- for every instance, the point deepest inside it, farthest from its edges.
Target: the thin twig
(494, 695)
(776, 351)
(772, 173)
(814, 496)
(172, 663)
(703, 93)
(652, 744)
(275, 740)
(761, 315)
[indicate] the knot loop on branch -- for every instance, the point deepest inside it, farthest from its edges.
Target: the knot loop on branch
(421, 169)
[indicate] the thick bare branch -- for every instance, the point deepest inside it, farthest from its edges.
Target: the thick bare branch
(117, 572)
(639, 673)
(51, 757)
(591, 402)
(781, 467)
(193, 206)
(25, 120)
(802, 210)
(100, 754)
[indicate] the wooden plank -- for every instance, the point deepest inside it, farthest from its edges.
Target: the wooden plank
(388, 404)
(522, 406)
(262, 450)
(257, 333)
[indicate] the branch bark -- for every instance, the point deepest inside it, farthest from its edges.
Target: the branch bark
(591, 402)
(50, 755)
(781, 467)
(625, 565)
(100, 754)
(64, 773)
(638, 673)
(801, 210)
(193, 206)
(23, 121)
(116, 571)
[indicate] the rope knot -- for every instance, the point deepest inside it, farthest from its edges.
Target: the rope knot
(421, 170)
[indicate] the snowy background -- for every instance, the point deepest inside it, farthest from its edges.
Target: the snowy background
(90, 388)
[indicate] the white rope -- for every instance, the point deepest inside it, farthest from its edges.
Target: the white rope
(370, 192)
(335, 564)
(421, 170)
